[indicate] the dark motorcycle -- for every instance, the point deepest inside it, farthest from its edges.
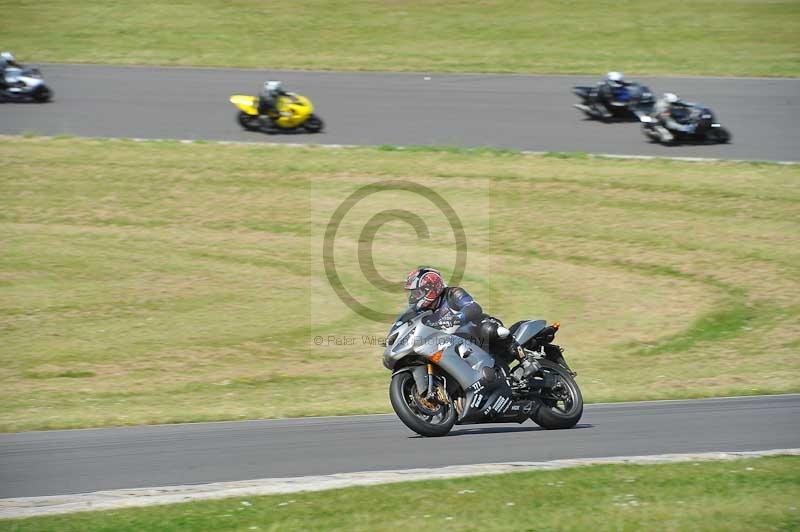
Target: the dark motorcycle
(702, 127)
(441, 379)
(628, 103)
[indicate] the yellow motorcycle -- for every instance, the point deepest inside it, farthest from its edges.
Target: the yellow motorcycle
(294, 112)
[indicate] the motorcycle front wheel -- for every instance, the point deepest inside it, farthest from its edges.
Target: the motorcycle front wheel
(420, 415)
(718, 135)
(42, 94)
(249, 122)
(562, 404)
(314, 124)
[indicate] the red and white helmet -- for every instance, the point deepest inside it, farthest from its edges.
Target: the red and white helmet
(424, 286)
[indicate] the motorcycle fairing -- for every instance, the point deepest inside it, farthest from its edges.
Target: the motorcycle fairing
(414, 338)
(481, 404)
(247, 104)
(526, 330)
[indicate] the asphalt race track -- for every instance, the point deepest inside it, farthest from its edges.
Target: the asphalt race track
(76, 461)
(509, 111)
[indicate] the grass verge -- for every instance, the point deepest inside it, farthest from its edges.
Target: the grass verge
(752, 494)
(705, 37)
(150, 282)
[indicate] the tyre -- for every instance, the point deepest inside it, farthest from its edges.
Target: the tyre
(42, 94)
(249, 122)
(421, 416)
(718, 135)
(562, 405)
(314, 124)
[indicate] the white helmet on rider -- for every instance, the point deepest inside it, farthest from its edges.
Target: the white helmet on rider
(670, 97)
(615, 78)
(8, 56)
(273, 86)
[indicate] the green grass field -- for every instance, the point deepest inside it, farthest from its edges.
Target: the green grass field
(753, 494)
(145, 282)
(705, 37)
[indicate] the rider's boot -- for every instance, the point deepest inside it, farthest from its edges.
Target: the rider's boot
(602, 110)
(665, 134)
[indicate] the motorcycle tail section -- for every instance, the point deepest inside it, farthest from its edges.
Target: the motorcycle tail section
(246, 104)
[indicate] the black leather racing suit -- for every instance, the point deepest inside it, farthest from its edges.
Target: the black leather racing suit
(609, 92)
(268, 102)
(456, 307)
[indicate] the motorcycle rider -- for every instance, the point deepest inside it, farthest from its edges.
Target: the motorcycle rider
(453, 306)
(613, 90)
(665, 111)
(6, 60)
(268, 101)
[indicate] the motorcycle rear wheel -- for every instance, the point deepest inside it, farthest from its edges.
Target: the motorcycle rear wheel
(551, 414)
(404, 396)
(249, 122)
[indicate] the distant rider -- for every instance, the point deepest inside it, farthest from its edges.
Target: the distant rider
(6, 60)
(614, 89)
(268, 101)
(453, 307)
(675, 115)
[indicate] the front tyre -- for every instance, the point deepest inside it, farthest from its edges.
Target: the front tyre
(561, 404)
(313, 124)
(42, 94)
(718, 135)
(423, 417)
(249, 122)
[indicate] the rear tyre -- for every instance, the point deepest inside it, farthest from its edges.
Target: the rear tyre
(249, 122)
(413, 411)
(562, 405)
(42, 94)
(314, 124)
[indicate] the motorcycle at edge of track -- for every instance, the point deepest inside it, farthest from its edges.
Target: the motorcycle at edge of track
(25, 83)
(440, 379)
(295, 112)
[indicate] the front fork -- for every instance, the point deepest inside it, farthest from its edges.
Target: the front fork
(433, 393)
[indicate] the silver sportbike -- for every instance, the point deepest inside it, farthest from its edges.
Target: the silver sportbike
(440, 379)
(25, 83)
